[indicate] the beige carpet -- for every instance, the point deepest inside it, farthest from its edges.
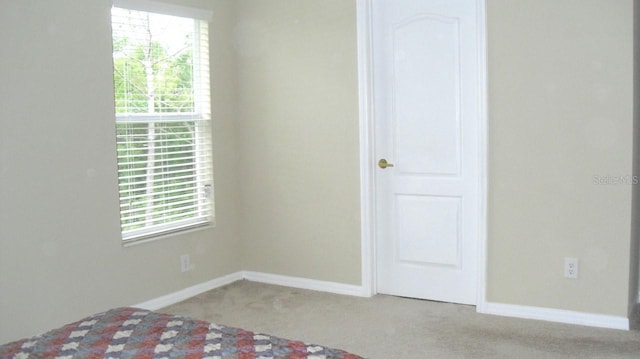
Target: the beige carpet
(391, 327)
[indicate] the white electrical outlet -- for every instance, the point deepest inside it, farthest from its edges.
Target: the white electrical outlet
(185, 263)
(571, 268)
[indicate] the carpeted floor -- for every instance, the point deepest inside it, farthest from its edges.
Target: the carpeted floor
(392, 327)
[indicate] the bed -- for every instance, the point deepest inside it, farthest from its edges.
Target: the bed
(138, 333)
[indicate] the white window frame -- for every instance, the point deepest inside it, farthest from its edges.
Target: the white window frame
(201, 117)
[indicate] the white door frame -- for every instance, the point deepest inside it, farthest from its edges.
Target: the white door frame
(367, 151)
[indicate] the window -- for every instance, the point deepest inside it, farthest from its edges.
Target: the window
(163, 115)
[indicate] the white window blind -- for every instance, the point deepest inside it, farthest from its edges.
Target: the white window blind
(162, 103)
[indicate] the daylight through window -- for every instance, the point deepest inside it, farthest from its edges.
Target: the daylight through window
(162, 103)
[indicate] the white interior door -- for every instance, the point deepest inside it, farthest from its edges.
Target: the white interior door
(426, 95)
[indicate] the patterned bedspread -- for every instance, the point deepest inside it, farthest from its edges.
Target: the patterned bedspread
(137, 333)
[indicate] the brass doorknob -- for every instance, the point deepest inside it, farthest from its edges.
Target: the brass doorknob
(384, 164)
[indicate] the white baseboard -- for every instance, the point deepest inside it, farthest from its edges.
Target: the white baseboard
(179, 296)
(304, 283)
(555, 315)
(286, 281)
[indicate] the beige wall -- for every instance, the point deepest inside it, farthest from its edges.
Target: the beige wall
(298, 138)
(560, 112)
(60, 251)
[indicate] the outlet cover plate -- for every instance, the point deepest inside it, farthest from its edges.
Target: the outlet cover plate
(185, 263)
(571, 268)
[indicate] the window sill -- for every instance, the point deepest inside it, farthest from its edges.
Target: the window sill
(161, 236)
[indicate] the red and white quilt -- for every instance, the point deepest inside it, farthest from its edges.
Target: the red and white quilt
(137, 333)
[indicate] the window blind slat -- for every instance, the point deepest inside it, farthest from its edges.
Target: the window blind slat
(161, 168)
(138, 197)
(158, 153)
(168, 117)
(187, 157)
(173, 203)
(125, 194)
(173, 176)
(161, 144)
(163, 216)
